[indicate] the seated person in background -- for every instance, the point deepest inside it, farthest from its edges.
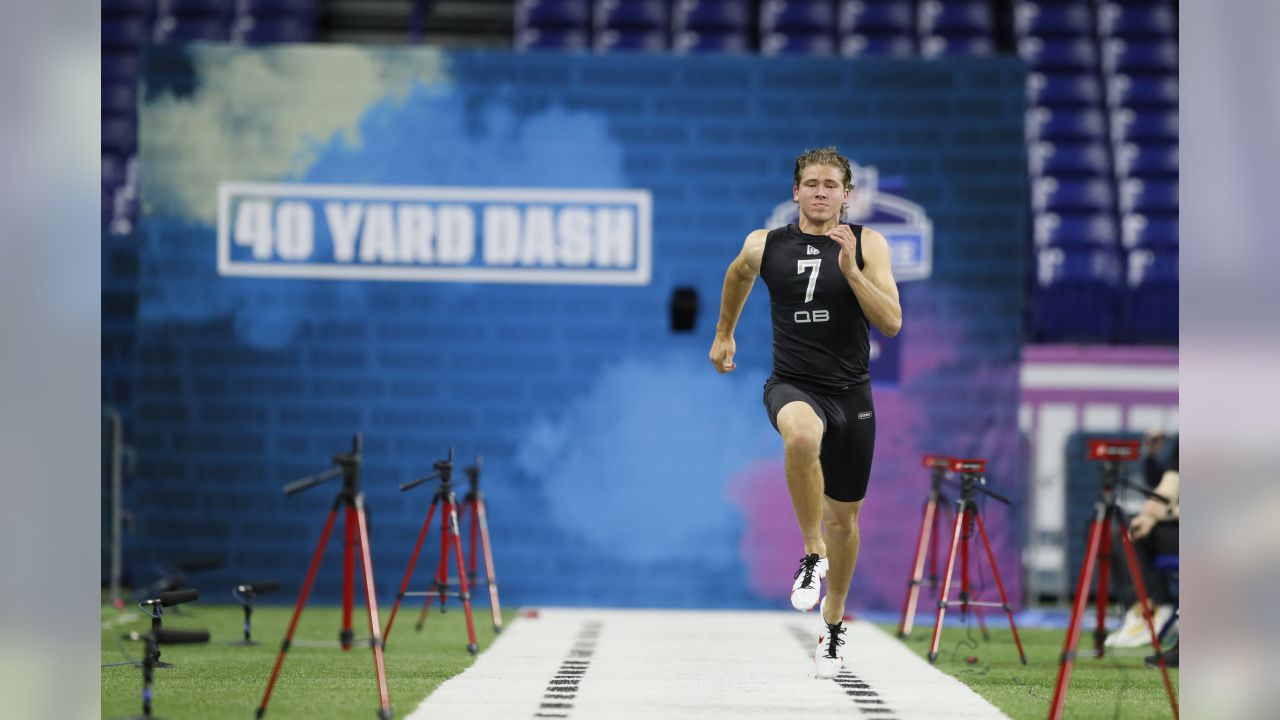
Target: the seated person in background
(1155, 532)
(1153, 466)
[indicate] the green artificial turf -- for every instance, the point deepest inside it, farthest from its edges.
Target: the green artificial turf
(1107, 687)
(218, 680)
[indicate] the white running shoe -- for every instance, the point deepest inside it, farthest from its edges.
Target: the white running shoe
(1134, 633)
(808, 582)
(827, 659)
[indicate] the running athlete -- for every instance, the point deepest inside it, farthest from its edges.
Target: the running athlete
(828, 282)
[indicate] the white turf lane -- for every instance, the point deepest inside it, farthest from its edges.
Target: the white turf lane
(621, 664)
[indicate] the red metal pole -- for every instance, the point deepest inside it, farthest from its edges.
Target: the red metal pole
(316, 557)
(408, 573)
(1145, 601)
(1073, 628)
(371, 599)
(482, 517)
(917, 570)
(946, 586)
(1004, 597)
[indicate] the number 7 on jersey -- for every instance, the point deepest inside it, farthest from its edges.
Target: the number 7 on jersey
(813, 279)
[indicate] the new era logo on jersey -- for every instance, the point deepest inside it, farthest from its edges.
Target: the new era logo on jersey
(811, 251)
(864, 415)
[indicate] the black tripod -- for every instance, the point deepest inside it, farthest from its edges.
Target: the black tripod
(151, 657)
(927, 541)
(475, 513)
(351, 500)
(450, 539)
(967, 515)
(1112, 454)
(245, 594)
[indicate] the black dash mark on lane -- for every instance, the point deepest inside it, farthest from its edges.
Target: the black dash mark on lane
(863, 695)
(562, 688)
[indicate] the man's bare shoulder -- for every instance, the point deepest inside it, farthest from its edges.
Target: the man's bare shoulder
(753, 248)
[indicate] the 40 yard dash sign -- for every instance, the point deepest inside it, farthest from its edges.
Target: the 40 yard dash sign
(458, 234)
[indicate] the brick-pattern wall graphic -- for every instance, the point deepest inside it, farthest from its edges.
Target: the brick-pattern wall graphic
(619, 468)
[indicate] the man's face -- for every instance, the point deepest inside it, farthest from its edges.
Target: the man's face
(821, 193)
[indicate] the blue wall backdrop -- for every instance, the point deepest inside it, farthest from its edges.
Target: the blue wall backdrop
(620, 469)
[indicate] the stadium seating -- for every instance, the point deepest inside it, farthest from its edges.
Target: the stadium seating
(1096, 230)
(629, 40)
(876, 18)
(895, 46)
(1069, 158)
(1150, 299)
(1077, 295)
(711, 41)
(1064, 90)
(1140, 231)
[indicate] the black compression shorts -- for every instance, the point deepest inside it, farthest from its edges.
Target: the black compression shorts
(848, 437)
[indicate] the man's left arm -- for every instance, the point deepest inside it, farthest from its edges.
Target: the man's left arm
(873, 285)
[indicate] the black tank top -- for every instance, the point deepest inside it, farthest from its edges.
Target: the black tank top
(820, 334)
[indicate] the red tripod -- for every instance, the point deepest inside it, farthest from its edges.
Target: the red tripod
(1112, 454)
(967, 515)
(926, 542)
(450, 539)
(473, 509)
(351, 500)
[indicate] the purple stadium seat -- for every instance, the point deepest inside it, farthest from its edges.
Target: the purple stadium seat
(1142, 91)
(891, 46)
(1047, 19)
(194, 7)
(269, 29)
(1129, 20)
(713, 15)
(119, 98)
(1066, 124)
(1088, 230)
(1063, 89)
(1140, 231)
(1139, 56)
(820, 44)
(936, 46)
(626, 40)
(1059, 195)
(811, 17)
(295, 8)
(1059, 54)
(552, 14)
(119, 134)
(1068, 158)
(1077, 294)
(1147, 160)
(1149, 196)
(632, 14)
(113, 167)
(876, 17)
(176, 29)
(956, 17)
(127, 7)
(1129, 125)
(551, 39)
(124, 32)
(1151, 296)
(119, 66)
(711, 41)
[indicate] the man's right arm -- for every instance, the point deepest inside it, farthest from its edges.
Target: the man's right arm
(738, 280)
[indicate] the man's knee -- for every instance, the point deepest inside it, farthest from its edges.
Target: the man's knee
(842, 528)
(801, 430)
(803, 444)
(841, 519)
